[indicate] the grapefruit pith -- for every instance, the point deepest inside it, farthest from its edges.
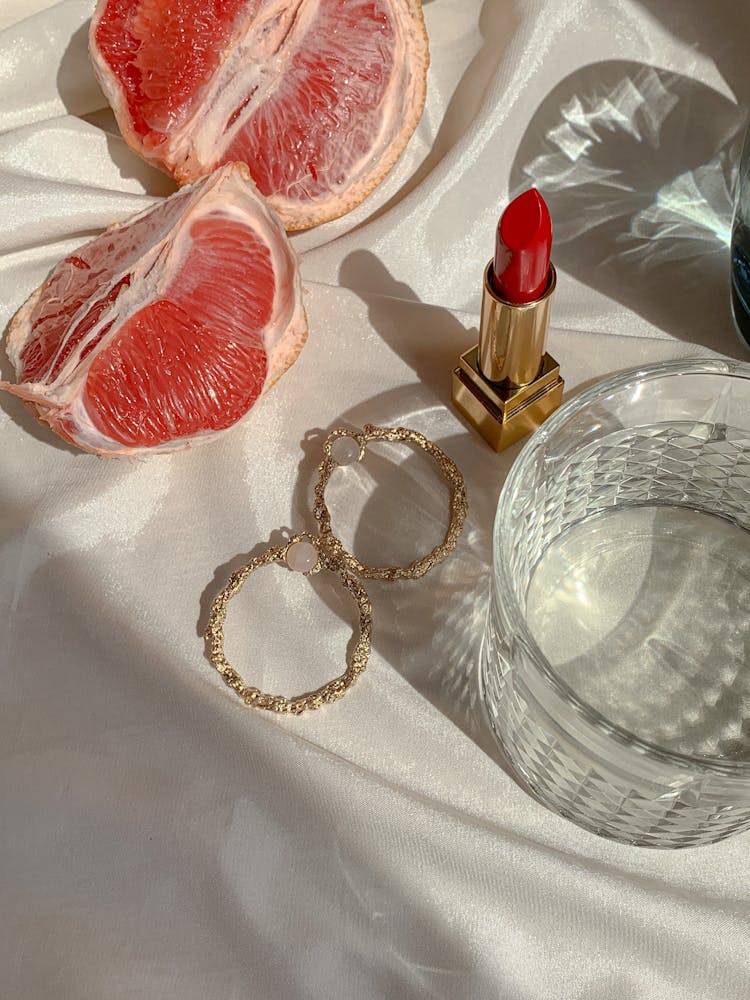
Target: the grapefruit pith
(317, 97)
(163, 330)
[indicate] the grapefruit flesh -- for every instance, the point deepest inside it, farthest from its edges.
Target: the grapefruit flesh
(317, 97)
(164, 330)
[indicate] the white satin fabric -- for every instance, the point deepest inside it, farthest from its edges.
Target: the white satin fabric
(157, 839)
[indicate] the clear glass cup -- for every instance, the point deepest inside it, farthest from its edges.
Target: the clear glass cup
(615, 668)
(740, 246)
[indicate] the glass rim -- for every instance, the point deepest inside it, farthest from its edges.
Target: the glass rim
(502, 548)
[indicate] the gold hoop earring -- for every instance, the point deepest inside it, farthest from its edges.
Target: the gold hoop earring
(308, 553)
(346, 455)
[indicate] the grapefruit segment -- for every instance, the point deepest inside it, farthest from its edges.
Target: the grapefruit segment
(317, 97)
(136, 391)
(166, 329)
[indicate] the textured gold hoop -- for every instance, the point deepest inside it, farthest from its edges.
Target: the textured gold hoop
(449, 471)
(330, 691)
(308, 553)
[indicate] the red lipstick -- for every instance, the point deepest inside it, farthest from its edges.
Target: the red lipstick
(507, 385)
(522, 249)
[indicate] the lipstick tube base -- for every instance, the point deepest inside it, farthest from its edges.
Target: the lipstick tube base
(505, 414)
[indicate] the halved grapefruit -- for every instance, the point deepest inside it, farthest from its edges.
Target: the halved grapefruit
(163, 330)
(318, 97)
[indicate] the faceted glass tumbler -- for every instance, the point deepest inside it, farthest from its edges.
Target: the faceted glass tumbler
(615, 668)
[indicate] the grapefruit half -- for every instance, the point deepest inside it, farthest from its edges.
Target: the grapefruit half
(318, 97)
(163, 330)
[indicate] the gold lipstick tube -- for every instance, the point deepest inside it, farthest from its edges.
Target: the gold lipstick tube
(507, 385)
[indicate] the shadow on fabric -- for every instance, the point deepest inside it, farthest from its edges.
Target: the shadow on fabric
(637, 165)
(714, 35)
(393, 507)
